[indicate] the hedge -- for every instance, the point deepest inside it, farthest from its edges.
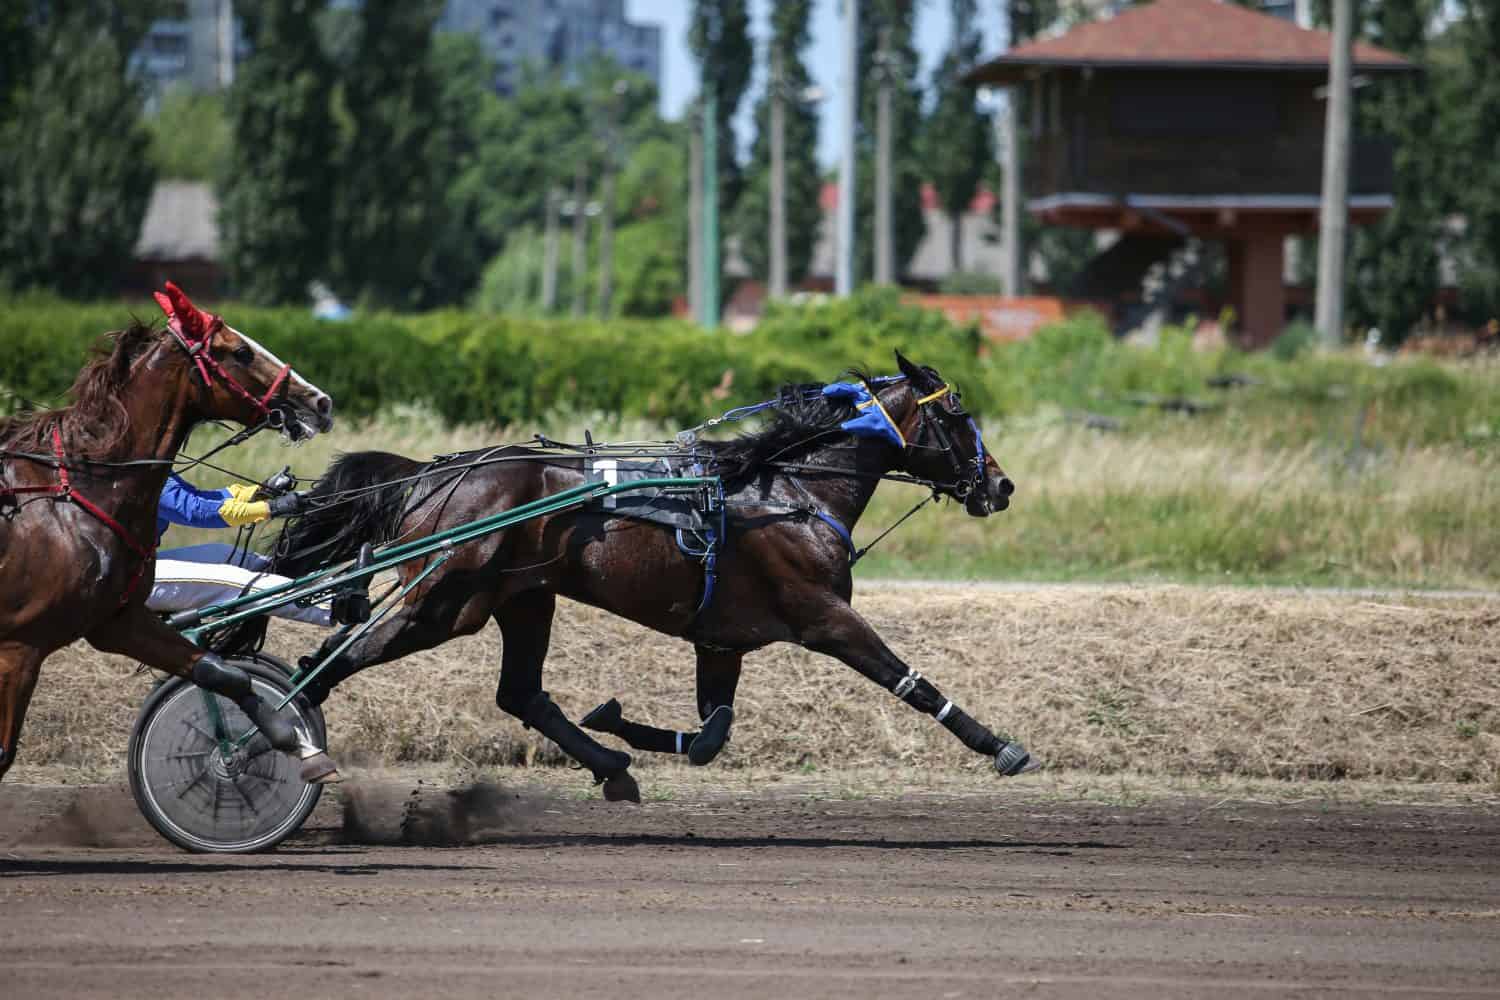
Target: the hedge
(471, 367)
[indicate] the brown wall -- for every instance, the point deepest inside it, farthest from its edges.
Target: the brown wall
(1182, 132)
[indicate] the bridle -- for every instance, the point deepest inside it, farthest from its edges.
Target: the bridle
(200, 354)
(967, 476)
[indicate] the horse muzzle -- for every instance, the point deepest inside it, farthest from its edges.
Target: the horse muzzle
(994, 498)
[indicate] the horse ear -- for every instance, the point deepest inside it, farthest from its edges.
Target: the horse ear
(189, 316)
(913, 372)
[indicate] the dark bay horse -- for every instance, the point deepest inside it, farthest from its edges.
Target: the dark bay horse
(793, 492)
(79, 488)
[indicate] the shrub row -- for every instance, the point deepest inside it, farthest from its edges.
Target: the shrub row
(470, 367)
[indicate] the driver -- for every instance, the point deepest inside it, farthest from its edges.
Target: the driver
(196, 575)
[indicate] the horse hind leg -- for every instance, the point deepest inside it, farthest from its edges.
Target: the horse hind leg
(718, 678)
(19, 666)
(525, 634)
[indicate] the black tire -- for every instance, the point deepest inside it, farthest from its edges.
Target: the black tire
(191, 796)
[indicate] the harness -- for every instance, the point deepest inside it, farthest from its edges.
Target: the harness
(63, 491)
(198, 353)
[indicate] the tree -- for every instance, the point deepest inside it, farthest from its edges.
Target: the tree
(719, 36)
(789, 38)
(274, 215)
(391, 188)
(956, 140)
(907, 169)
(1476, 104)
(1393, 264)
(75, 174)
(190, 135)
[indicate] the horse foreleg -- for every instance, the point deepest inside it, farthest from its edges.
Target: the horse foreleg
(842, 633)
(525, 633)
(19, 666)
(140, 635)
(718, 677)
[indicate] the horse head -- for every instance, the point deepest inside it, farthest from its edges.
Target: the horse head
(944, 444)
(241, 380)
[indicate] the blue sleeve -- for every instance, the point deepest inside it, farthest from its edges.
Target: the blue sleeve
(184, 504)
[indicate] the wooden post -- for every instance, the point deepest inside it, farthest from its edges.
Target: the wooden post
(1334, 215)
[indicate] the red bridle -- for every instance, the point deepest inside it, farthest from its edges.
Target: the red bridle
(194, 331)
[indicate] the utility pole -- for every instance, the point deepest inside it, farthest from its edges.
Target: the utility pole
(607, 200)
(580, 239)
(1302, 13)
(226, 44)
(710, 317)
(844, 281)
(1333, 223)
(1006, 117)
(695, 221)
(777, 277)
(885, 255)
(549, 253)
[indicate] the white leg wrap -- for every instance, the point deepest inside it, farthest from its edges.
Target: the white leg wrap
(943, 712)
(906, 684)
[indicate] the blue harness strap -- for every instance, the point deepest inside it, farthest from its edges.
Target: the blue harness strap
(843, 532)
(709, 553)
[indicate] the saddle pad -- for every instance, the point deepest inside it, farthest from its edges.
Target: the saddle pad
(648, 504)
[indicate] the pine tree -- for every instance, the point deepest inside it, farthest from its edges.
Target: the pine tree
(956, 142)
(789, 38)
(75, 173)
(275, 196)
(1393, 266)
(391, 182)
(907, 169)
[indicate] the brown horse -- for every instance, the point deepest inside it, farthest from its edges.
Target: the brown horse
(78, 494)
(780, 567)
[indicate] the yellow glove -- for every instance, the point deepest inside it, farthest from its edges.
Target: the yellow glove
(240, 491)
(238, 513)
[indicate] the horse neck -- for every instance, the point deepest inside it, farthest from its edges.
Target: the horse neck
(846, 497)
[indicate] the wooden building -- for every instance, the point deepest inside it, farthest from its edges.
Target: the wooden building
(1192, 117)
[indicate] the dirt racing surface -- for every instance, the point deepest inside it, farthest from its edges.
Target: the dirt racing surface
(776, 892)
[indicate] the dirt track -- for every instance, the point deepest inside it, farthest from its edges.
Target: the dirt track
(754, 894)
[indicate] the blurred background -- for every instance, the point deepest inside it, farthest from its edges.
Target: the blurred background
(475, 218)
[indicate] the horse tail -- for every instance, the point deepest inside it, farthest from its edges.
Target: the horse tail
(359, 499)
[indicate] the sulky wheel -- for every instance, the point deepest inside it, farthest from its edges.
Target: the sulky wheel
(203, 791)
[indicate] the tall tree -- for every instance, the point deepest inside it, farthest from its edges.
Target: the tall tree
(956, 140)
(75, 173)
(274, 198)
(1393, 264)
(1477, 134)
(719, 36)
(390, 193)
(790, 36)
(908, 171)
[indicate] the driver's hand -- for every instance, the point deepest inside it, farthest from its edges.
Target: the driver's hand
(243, 492)
(287, 505)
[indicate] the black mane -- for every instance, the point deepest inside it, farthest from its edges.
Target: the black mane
(803, 418)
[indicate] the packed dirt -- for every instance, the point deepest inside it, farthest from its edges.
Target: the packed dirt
(794, 888)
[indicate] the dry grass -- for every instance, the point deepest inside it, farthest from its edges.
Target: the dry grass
(1166, 681)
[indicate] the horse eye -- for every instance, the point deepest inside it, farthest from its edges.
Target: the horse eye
(244, 355)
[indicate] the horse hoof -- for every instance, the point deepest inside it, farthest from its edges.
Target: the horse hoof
(1013, 760)
(711, 739)
(604, 719)
(621, 788)
(319, 769)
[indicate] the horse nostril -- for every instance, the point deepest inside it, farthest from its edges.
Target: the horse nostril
(1007, 487)
(324, 405)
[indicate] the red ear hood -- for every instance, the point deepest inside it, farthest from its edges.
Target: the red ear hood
(192, 322)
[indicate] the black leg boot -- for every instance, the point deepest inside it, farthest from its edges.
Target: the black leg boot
(609, 767)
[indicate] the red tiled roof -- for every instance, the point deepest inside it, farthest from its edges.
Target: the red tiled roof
(983, 202)
(1185, 33)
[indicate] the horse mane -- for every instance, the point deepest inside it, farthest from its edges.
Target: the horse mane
(95, 420)
(372, 513)
(803, 416)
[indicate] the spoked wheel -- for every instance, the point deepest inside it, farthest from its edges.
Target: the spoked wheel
(201, 785)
